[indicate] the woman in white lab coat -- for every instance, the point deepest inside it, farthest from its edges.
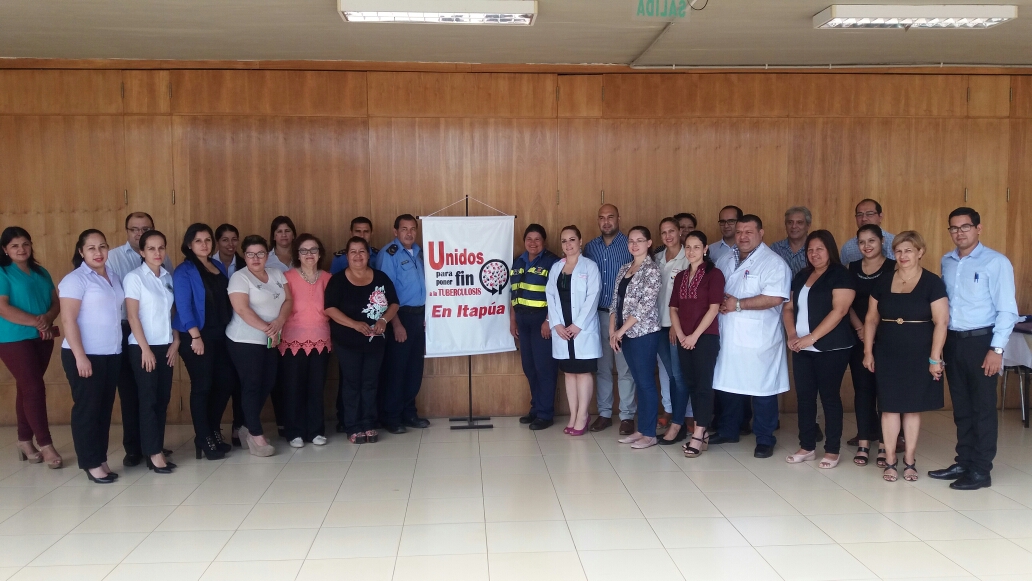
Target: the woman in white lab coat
(572, 293)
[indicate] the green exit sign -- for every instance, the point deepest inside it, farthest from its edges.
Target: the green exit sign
(664, 10)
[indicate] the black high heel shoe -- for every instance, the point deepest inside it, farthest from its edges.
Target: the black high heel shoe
(220, 443)
(102, 480)
(209, 449)
(159, 470)
(681, 435)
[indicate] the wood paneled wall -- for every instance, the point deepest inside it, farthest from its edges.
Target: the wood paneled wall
(81, 148)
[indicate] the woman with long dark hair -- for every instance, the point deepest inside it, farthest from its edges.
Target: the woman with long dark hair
(227, 249)
(281, 243)
(91, 354)
(202, 312)
(29, 305)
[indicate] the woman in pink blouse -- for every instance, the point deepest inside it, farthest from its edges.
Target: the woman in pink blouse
(305, 346)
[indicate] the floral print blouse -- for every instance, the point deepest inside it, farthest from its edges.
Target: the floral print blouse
(641, 300)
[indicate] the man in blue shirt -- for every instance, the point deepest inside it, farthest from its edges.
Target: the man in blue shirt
(363, 228)
(983, 311)
(609, 252)
(791, 248)
(528, 323)
(402, 261)
(868, 211)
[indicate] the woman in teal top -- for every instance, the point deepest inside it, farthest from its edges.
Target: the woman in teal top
(28, 308)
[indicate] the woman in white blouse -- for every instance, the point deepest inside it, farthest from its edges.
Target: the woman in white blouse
(91, 354)
(261, 305)
(671, 260)
(281, 242)
(153, 344)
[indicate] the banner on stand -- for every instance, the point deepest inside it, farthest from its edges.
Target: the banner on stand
(467, 261)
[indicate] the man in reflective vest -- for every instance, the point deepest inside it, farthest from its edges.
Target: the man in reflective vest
(528, 322)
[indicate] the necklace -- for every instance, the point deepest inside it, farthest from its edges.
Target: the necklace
(305, 276)
(906, 280)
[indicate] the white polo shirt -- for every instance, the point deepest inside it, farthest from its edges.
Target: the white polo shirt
(99, 320)
(156, 298)
(123, 260)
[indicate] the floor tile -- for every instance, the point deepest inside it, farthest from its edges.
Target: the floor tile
(367, 569)
(891, 498)
(727, 481)
(443, 539)
(449, 450)
(862, 528)
(510, 448)
(124, 519)
(825, 502)
(63, 573)
(755, 503)
(513, 464)
(514, 484)
(986, 556)
(180, 547)
(374, 489)
(595, 462)
(275, 516)
(623, 564)
(261, 544)
(349, 542)
(673, 504)
(940, 526)
(723, 564)
(314, 471)
(425, 511)
(205, 518)
(79, 496)
(265, 570)
(450, 466)
(779, 530)
(46, 520)
(454, 486)
(157, 572)
(441, 568)
(164, 495)
(538, 506)
(606, 535)
(89, 549)
(363, 513)
(658, 482)
(599, 506)
(804, 563)
(1006, 523)
(587, 483)
(528, 537)
(20, 550)
(565, 566)
(904, 560)
(291, 491)
(216, 493)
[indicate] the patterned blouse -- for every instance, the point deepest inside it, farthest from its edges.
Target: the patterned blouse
(641, 300)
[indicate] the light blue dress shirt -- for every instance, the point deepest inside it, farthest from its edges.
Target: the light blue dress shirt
(405, 270)
(980, 287)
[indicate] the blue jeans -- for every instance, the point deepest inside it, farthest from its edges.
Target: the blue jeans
(640, 353)
(765, 416)
(680, 401)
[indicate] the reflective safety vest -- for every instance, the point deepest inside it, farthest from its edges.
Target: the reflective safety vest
(528, 280)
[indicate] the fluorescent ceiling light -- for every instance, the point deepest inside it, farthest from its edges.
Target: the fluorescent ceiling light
(957, 16)
(503, 12)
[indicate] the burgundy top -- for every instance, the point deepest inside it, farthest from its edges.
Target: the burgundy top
(692, 298)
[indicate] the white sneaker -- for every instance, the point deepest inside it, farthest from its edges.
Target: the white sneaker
(319, 440)
(297, 443)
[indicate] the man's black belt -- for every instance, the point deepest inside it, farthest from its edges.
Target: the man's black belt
(523, 310)
(973, 332)
(412, 310)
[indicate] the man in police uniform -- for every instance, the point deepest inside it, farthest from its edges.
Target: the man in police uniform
(402, 261)
(528, 323)
(363, 228)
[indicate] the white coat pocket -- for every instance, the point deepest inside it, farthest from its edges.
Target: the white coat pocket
(747, 332)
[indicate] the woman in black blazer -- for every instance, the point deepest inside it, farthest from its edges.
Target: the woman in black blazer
(819, 335)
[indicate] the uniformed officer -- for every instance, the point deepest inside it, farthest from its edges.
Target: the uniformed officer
(528, 322)
(363, 228)
(402, 261)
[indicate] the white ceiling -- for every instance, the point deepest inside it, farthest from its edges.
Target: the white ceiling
(727, 32)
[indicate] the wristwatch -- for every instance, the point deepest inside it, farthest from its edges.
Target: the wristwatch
(998, 350)
(738, 306)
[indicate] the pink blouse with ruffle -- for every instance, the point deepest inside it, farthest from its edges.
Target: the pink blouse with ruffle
(308, 327)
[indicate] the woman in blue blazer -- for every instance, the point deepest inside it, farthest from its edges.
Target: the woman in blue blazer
(202, 313)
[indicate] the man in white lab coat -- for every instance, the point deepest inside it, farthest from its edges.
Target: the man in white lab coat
(752, 360)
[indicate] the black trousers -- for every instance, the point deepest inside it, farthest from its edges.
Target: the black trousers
(697, 367)
(304, 379)
(155, 389)
(865, 397)
(213, 378)
(360, 372)
(538, 365)
(820, 373)
(129, 398)
(974, 400)
(404, 368)
(256, 365)
(280, 404)
(93, 398)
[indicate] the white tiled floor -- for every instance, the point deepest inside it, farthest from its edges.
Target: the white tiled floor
(508, 504)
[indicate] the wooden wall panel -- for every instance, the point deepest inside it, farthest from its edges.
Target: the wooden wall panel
(1021, 97)
(146, 92)
(1019, 215)
(580, 178)
(294, 93)
(985, 177)
(989, 96)
(580, 95)
(36, 92)
(857, 95)
(461, 95)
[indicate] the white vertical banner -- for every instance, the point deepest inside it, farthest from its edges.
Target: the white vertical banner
(467, 262)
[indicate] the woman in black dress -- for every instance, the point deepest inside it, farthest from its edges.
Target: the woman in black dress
(903, 338)
(866, 273)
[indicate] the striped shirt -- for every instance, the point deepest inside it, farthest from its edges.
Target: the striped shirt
(609, 260)
(796, 260)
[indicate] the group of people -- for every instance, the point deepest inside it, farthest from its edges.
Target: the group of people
(254, 319)
(715, 319)
(250, 319)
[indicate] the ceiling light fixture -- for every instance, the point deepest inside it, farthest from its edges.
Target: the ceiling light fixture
(498, 12)
(956, 16)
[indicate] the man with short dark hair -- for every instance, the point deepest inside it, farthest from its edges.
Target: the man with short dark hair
(121, 261)
(402, 261)
(363, 228)
(727, 219)
(983, 311)
(752, 359)
(868, 211)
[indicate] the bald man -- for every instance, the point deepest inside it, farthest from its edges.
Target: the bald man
(609, 252)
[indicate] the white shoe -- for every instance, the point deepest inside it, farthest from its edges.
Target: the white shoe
(319, 440)
(297, 443)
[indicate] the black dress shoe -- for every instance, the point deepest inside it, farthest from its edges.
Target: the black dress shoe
(681, 435)
(102, 480)
(131, 460)
(762, 451)
(527, 418)
(716, 439)
(341, 429)
(159, 470)
(417, 422)
(952, 473)
(166, 451)
(820, 434)
(540, 424)
(396, 429)
(113, 475)
(972, 480)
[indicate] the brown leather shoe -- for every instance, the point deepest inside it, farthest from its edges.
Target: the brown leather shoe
(601, 423)
(626, 427)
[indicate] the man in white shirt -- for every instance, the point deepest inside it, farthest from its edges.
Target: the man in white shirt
(752, 360)
(122, 261)
(727, 219)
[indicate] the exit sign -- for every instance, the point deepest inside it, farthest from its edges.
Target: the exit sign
(663, 10)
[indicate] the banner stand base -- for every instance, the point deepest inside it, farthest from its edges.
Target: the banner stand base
(470, 425)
